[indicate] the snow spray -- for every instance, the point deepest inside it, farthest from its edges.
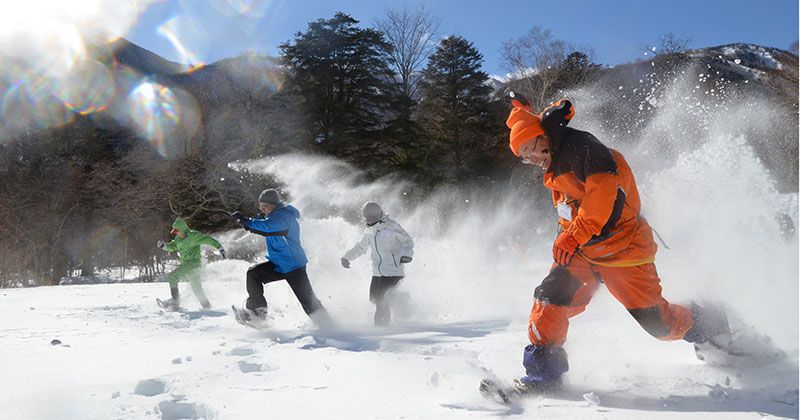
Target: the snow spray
(479, 256)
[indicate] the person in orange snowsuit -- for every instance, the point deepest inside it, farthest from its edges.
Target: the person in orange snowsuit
(603, 238)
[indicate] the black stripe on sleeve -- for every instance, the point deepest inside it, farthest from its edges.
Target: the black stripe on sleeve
(278, 233)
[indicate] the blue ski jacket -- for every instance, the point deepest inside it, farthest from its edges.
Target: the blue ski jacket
(283, 237)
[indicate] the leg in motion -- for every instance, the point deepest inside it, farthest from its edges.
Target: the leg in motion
(301, 286)
(638, 288)
(257, 276)
(173, 291)
(564, 293)
(179, 274)
(378, 288)
(197, 288)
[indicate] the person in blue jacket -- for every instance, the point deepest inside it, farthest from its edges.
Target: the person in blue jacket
(286, 258)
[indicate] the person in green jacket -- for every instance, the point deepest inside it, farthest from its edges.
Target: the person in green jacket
(187, 244)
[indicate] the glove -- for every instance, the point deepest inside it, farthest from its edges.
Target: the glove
(160, 244)
(238, 217)
(222, 252)
(564, 247)
(345, 263)
(405, 260)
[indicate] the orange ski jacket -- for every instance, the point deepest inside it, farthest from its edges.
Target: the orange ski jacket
(595, 194)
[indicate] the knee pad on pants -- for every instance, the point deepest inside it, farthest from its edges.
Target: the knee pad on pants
(558, 287)
(651, 320)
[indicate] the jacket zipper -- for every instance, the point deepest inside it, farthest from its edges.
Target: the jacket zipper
(380, 259)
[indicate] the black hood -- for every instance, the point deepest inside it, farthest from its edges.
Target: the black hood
(554, 123)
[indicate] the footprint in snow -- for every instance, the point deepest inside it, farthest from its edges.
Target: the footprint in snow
(150, 387)
(174, 410)
(247, 367)
(242, 351)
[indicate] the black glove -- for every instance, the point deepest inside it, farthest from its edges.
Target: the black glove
(160, 244)
(404, 259)
(222, 252)
(345, 263)
(238, 217)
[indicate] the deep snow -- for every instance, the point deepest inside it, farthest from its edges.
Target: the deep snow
(461, 311)
(122, 357)
(461, 315)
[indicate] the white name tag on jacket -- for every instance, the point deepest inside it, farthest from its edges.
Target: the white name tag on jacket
(564, 211)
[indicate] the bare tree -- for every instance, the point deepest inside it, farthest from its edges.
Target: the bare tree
(535, 58)
(668, 43)
(671, 43)
(412, 34)
(794, 47)
(648, 51)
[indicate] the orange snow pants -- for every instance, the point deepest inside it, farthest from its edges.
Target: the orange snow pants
(566, 291)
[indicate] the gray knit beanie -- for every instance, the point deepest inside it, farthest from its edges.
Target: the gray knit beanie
(372, 212)
(270, 196)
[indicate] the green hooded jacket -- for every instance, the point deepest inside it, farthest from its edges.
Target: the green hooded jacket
(188, 247)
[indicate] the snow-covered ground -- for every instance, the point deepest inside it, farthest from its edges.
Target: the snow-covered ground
(122, 357)
(461, 312)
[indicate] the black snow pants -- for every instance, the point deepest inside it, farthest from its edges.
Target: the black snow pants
(261, 274)
(377, 295)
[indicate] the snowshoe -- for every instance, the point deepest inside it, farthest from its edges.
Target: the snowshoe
(170, 305)
(723, 339)
(252, 318)
(492, 389)
(738, 347)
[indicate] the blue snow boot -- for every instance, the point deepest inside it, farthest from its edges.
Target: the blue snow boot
(544, 366)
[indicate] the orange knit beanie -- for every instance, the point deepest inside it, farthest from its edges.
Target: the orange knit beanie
(524, 124)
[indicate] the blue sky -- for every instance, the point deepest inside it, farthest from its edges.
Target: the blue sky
(211, 29)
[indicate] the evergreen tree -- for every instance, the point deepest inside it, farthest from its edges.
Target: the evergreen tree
(456, 109)
(340, 74)
(576, 70)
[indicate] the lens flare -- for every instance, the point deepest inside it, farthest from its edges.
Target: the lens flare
(29, 105)
(167, 117)
(118, 16)
(88, 88)
(63, 46)
(253, 9)
(154, 110)
(47, 48)
(186, 36)
(259, 73)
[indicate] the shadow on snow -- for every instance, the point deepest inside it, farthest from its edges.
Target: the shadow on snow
(374, 339)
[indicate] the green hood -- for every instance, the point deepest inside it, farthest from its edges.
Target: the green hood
(180, 225)
(188, 245)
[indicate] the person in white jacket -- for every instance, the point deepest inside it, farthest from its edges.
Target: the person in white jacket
(391, 247)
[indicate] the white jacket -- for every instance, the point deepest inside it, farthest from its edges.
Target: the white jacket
(388, 241)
